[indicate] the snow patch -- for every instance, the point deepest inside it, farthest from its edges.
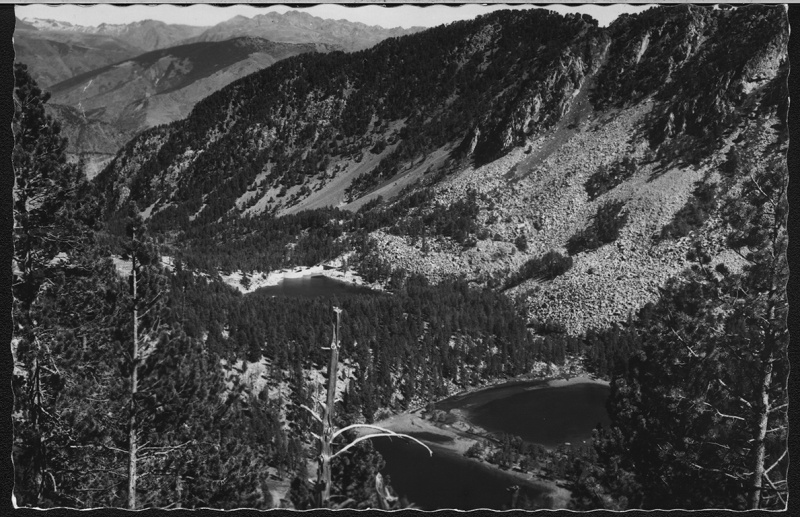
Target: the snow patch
(643, 48)
(259, 279)
(196, 214)
(147, 212)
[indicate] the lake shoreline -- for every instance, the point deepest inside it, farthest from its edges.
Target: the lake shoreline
(457, 437)
(562, 380)
(460, 441)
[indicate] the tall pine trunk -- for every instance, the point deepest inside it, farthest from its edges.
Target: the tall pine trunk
(761, 434)
(132, 442)
(39, 454)
(762, 397)
(771, 351)
(327, 420)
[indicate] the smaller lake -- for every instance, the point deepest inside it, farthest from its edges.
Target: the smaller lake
(313, 286)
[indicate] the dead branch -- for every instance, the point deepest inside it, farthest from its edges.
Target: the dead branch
(776, 462)
(389, 434)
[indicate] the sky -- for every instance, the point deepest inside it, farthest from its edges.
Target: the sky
(385, 16)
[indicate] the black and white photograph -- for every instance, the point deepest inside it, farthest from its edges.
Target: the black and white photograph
(431, 257)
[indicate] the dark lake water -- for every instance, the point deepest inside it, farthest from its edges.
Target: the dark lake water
(447, 480)
(536, 412)
(313, 286)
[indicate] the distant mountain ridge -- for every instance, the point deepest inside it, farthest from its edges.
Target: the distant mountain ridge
(55, 55)
(48, 24)
(150, 34)
(298, 26)
(21, 24)
(144, 34)
(56, 50)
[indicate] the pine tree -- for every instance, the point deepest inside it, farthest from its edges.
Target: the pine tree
(50, 235)
(147, 288)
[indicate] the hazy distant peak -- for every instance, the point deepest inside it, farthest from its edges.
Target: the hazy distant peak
(48, 24)
(22, 24)
(299, 26)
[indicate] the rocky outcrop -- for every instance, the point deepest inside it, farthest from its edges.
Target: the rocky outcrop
(540, 104)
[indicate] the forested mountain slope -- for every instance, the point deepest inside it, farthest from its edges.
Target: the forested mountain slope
(433, 87)
(509, 136)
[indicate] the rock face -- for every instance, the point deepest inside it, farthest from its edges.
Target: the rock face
(520, 108)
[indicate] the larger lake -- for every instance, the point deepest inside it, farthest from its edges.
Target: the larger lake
(313, 286)
(535, 411)
(448, 480)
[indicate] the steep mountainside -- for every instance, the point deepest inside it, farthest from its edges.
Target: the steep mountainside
(487, 83)
(529, 152)
(105, 107)
(301, 27)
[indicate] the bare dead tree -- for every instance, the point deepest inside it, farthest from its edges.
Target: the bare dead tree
(132, 438)
(329, 433)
